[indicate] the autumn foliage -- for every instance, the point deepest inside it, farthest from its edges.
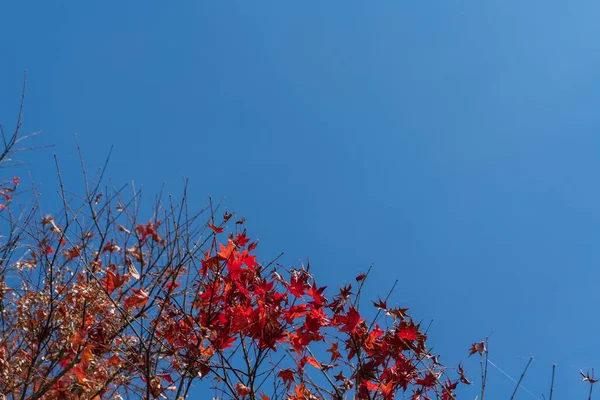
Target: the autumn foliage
(101, 300)
(105, 309)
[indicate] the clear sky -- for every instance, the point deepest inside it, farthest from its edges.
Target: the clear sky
(454, 144)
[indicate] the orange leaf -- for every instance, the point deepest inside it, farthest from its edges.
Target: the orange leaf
(313, 361)
(226, 252)
(87, 356)
(81, 376)
(242, 390)
(370, 385)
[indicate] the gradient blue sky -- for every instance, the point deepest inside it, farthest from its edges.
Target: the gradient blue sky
(454, 144)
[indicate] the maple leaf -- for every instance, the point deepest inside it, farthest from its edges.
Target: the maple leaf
(169, 287)
(113, 281)
(350, 321)
(148, 230)
(398, 313)
(340, 377)
(223, 341)
(370, 385)
(387, 389)
(111, 247)
(287, 375)
(382, 305)
(461, 372)
(315, 320)
(80, 374)
(313, 361)
(298, 284)
(214, 228)
(335, 353)
(136, 300)
(249, 260)
(428, 381)
(72, 253)
(209, 263)
(317, 295)
(477, 347)
(449, 387)
(408, 333)
(242, 390)
(345, 292)
(226, 252)
(241, 239)
(87, 356)
(234, 266)
(295, 312)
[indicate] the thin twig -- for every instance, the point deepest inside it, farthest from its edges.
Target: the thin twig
(552, 384)
(521, 378)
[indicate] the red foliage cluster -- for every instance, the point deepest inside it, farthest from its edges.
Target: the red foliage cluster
(134, 312)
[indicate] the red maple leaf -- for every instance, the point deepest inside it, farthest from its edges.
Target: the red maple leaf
(340, 377)
(113, 281)
(138, 299)
(461, 373)
(298, 285)
(148, 230)
(408, 333)
(350, 321)
(428, 380)
(345, 292)
(234, 265)
(214, 228)
(295, 312)
(287, 375)
(335, 353)
(382, 305)
(249, 260)
(241, 239)
(317, 295)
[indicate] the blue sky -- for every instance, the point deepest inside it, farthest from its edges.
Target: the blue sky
(454, 144)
